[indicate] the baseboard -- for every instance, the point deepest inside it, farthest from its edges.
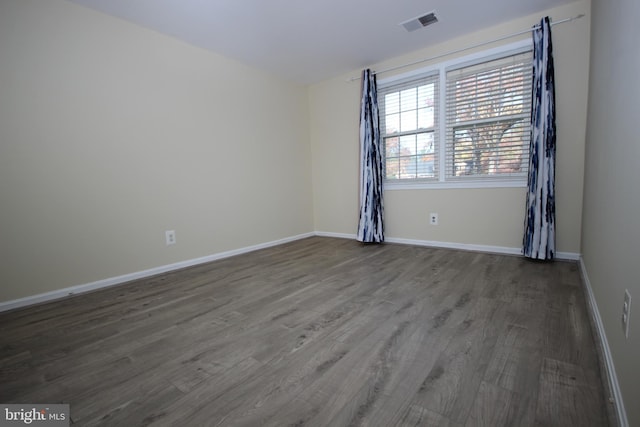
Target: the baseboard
(566, 256)
(112, 281)
(608, 360)
(337, 235)
(504, 250)
(458, 246)
(433, 244)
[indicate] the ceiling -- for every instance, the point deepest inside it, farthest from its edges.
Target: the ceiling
(307, 41)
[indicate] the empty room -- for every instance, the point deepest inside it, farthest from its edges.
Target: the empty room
(296, 213)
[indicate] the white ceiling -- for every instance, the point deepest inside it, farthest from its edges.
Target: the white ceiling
(308, 41)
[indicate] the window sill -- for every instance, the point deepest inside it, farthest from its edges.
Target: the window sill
(439, 185)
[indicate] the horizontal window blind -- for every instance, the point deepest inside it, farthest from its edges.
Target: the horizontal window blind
(487, 119)
(408, 126)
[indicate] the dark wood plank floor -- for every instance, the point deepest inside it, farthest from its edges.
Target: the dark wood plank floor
(318, 332)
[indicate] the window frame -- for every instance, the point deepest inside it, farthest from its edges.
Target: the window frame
(441, 68)
(433, 131)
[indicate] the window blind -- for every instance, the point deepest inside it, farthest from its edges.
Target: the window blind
(488, 119)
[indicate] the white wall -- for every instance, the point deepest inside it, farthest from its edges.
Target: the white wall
(490, 217)
(111, 134)
(611, 227)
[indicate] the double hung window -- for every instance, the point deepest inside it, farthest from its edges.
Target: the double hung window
(409, 127)
(459, 124)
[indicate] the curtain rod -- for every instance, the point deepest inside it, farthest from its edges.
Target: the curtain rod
(452, 52)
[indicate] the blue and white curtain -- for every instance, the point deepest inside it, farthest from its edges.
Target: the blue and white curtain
(539, 235)
(370, 226)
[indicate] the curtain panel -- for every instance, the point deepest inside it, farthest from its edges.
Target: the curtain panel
(539, 235)
(370, 225)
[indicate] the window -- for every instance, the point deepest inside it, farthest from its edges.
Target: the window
(408, 128)
(481, 137)
(488, 116)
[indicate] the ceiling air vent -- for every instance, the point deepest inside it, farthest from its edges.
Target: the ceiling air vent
(420, 21)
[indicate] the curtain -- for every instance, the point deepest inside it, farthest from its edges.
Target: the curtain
(539, 235)
(370, 225)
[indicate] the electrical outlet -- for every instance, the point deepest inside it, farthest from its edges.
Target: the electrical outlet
(433, 218)
(170, 237)
(626, 311)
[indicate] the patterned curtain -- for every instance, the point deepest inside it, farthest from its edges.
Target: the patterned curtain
(539, 234)
(370, 226)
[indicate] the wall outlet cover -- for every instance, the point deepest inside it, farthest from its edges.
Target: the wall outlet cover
(170, 237)
(433, 218)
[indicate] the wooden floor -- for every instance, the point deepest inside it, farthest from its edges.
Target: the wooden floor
(318, 332)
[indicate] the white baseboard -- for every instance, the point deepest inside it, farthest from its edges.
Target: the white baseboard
(477, 248)
(460, 246)
(338, 235)
(65, 292)
(608, 360)
(111, 281)
(566, 256)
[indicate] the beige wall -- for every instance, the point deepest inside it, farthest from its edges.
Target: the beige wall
(492, 217)
(111, 134)
(611, 229)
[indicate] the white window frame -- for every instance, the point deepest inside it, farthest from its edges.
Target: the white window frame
(397, 88)
(441, 69)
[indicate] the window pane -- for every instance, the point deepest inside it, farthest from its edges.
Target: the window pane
(392, 160)
(392, 168)
(425, 143)
(425, 95)
(407, 167)
(407, 145)
(463, 159)
(426, 166)
(392, 123)
(425, 118)
(408, 99)
(408, 121)
(426, 158)
(392, 103)
(490, 149)
(512, 146)
(392, 147)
